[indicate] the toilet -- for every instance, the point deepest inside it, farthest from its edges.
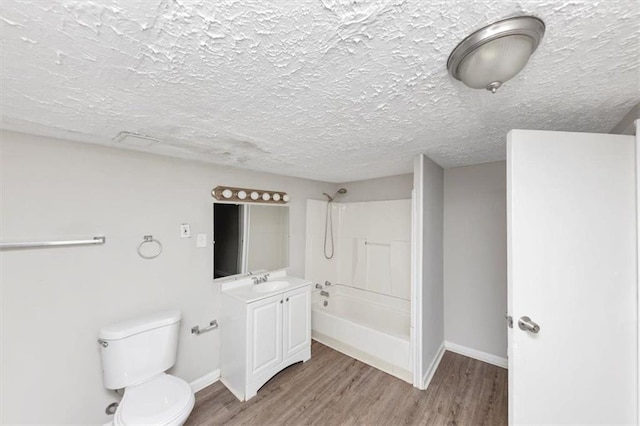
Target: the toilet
(135, 355)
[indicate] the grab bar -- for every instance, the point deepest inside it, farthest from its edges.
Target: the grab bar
(35, 244)
(371, 243)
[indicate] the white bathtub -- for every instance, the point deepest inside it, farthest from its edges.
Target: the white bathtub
(371, 328)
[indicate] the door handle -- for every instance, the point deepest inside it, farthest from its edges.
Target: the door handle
(525, 323)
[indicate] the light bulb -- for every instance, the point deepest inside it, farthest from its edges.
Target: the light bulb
(495, 62)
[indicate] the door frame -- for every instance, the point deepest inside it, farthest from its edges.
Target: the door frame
(637, 149)
(417, 245)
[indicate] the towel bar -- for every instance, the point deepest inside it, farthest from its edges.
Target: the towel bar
(197, 330)
(35, 244)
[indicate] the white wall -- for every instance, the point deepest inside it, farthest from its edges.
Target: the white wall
(475, 257)
(429, 197)
(55, 300)
(387, 188)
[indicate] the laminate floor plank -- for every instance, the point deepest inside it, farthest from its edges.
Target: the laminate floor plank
(334, 389)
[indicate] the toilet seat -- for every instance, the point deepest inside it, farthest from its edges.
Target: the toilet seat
(164, 400)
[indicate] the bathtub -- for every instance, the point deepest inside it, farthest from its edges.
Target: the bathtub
(369, 327)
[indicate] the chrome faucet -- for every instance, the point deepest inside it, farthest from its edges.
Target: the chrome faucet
(262, 279)
(324, 293)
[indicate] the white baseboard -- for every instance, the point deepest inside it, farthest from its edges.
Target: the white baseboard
(206, 380)
(475, 354)
(433, 367)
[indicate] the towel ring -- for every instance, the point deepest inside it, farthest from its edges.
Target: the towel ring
(149, 239)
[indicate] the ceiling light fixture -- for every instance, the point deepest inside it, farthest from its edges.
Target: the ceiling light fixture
(496, 53)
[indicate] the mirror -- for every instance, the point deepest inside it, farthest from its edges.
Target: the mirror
(249, 238)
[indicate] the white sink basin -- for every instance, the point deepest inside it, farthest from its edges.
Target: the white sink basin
(271, 286)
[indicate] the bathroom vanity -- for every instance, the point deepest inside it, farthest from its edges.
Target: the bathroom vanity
(264, 328)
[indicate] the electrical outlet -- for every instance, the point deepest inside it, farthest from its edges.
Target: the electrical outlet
(185, 230)
(201, 240)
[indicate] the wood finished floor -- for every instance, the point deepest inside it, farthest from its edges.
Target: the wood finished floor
(334, 389)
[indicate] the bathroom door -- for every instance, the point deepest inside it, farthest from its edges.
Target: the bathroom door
(572, 271)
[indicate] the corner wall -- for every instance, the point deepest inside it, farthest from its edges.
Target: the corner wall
(428, 184)
(475, 260)
(53, 301)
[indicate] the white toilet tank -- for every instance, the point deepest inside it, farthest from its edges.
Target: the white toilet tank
(136, 350)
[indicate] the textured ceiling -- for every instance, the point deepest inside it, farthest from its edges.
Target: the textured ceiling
(334, 90)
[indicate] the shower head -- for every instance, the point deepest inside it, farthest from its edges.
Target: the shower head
(340, 191)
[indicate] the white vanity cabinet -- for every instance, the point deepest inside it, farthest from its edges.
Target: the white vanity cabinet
(261, 337)
(296, 334)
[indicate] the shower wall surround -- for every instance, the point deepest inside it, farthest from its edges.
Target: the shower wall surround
(372, 246)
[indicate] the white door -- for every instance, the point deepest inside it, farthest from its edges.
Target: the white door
(572, 270)
(265, 335)
(297, 321)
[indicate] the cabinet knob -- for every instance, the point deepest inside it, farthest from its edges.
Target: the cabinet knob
(287, 299)
(280, 300)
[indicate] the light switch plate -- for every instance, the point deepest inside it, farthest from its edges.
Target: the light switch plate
(185, 230)
(201, 240)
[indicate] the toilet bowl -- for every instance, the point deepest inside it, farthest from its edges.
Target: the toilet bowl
(135, 355)
(164, 400)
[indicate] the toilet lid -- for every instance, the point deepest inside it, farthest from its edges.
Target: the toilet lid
(155, 402)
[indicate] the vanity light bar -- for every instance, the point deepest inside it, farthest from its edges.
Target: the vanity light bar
(248, 195)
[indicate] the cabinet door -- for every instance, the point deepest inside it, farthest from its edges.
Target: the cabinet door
(297, 320)
(264, 335)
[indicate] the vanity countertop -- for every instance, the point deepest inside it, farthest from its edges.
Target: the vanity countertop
(247, 292)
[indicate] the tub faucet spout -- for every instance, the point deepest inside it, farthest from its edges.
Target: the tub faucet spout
(324, 293)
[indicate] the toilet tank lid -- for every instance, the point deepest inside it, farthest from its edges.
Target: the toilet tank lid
(138, 325)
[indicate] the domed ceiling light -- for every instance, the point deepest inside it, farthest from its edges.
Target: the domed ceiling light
(496, 53)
